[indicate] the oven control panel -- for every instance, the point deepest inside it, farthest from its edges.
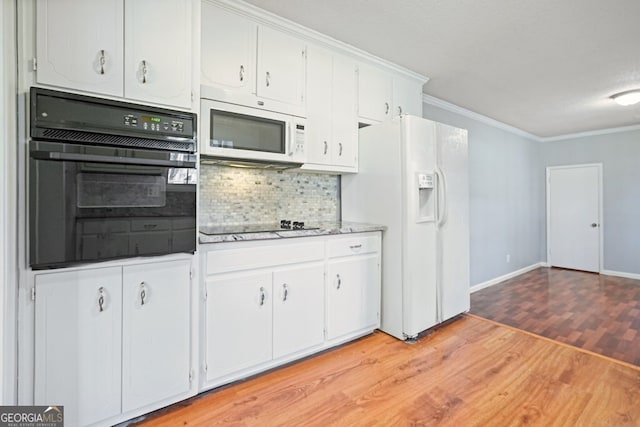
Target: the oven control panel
(88, 118)
(155, 123)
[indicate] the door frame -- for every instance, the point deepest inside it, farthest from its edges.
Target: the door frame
(598, 166)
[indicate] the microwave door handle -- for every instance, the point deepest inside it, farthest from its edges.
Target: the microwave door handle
(288, 139)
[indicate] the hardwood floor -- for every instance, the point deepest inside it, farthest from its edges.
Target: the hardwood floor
(472, 372)
(591, 311)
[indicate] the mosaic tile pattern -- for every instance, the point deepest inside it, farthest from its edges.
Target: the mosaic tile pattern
(231, 195)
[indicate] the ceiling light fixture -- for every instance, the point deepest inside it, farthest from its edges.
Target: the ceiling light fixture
(629, 97)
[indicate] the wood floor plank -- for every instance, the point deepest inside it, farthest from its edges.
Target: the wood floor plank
(471, 372)
(591, 311)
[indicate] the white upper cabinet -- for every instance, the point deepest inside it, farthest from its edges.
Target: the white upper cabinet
(228, 43)
(344, 108)
(281, 66)
(319, 98)
(250, 64)
(137, 49)
(332, 123)
(375, 93)
(382, 95)
(80, 45)
(158, 51)
(407, 96)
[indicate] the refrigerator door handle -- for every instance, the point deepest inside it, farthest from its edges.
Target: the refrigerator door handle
(441, 211)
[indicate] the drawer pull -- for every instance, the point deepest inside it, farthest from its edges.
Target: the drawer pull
(262, 295)
(354, 247)
(102, 60)
(144, 70)
(143, 293)
(101, 298)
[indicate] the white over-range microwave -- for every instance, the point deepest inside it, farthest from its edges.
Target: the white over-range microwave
(235, 134)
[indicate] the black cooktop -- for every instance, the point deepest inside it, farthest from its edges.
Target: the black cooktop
(270, 227)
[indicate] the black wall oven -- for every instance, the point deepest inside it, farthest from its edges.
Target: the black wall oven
(108, 180)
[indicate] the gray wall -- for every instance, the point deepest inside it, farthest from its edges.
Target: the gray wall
(619, 154)
(507, 206)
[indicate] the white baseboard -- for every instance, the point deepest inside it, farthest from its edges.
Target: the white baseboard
(507, 276)
(621, 274)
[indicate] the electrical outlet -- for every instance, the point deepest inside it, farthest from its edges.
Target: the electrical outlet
(508, 257)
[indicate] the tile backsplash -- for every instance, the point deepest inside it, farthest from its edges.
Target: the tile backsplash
(230, 195)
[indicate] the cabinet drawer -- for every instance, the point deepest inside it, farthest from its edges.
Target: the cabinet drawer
(226, 260)
(150, 224)
(354, 245)
(104, 226)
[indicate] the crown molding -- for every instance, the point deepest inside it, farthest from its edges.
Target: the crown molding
(590, 133)
(437, 102)
(262, 16)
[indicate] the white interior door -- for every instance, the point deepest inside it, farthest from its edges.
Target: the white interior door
(573, 216)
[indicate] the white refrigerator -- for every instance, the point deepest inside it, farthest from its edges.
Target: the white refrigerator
(413, 178)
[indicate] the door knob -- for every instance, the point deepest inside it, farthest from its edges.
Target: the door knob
(594, 225)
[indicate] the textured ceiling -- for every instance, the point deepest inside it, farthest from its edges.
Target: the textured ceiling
(546, 67)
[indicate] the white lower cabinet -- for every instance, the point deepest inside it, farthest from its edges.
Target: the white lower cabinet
(353, 300)
(298, 308)
(253, 318)
(353, 283)
(266, 302)
(155, 335)
(78, 327)
(239, 322)
(100, 351)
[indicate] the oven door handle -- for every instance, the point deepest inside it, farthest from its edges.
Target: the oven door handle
(95, 158)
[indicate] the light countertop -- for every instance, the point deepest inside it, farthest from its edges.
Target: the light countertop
(239, 232)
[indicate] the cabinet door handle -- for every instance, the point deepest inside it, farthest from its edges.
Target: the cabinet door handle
(285, 292)
(102, 61)
(326, 147)
(268, 79)
(143, 292)
(386, 108)
(338, 281)
(144, 70)
(262, 295)
(399, 110)
(241, 73)
(101, 298)
(340, 151)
